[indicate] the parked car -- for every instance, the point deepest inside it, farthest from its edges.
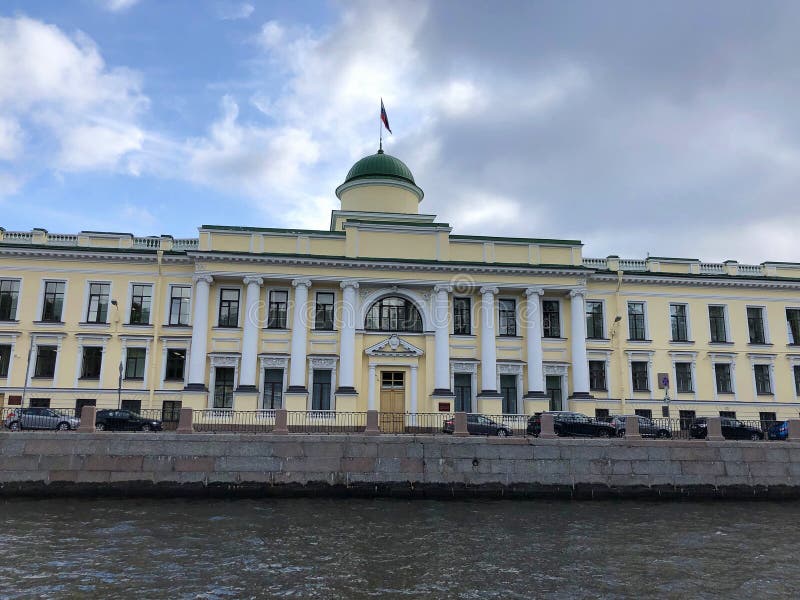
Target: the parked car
(566, 423)
(778, 431)
(732, 429)
(124, 420)
(647, 427)
(40, 418)
(479, 425)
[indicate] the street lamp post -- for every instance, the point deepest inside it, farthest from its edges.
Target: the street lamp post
(119, 388)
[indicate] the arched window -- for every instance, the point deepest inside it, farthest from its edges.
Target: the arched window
(393, 313)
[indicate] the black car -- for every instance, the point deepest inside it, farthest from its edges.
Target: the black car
(732, 429)
(647, 427)
(566, 423)
(124, 420)
(479, 425)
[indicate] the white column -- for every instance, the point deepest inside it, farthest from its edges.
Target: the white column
(488, 343)
(441, 325)
(197, 364)
(580, 363)
(247, 372)
(533, 339)
(413, 384)
(347, 343)
(371, 389)
(297, 368)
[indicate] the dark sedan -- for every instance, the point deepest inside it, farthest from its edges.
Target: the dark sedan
(732, 429)
(479, 425)
(124, 420)
(570, 424)
(647, 427)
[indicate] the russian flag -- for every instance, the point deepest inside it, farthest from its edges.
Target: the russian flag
(384, 118)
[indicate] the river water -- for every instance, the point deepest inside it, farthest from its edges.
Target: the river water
(337, 548)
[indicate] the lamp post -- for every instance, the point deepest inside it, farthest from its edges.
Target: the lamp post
(119, 388)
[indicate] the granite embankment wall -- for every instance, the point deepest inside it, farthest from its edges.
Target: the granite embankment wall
(68, 463)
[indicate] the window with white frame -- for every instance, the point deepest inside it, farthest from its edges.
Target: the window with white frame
(9, 297)
(97, 305)
(462, 311)
(321, 389)
(141, 301)
(45, 361)
(180, 296)
(53, 301)
(597, 376)
(551, 318)
(323, 311)
(793, 325)
(763, 379)
(716, 321)
(683, 377)
(223, 387)
(5, 359)
(637, 330)
(228, 307)
(276, 314)
(507, 315)
(91, 362)
(594, 319)
(135, 360)
(724, 378)
(755, 325)
(679, 322)
(508, 389)
(796, 370)
(640, 378)
(176, 364)
(273, 389)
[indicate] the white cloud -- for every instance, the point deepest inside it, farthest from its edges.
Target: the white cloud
(9, 184)
(235, 11)
(59, 87)
(117, 5)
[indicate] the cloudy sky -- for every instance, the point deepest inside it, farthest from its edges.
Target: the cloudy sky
(669, 128)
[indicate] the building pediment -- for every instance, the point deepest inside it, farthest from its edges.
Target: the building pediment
(393, 346)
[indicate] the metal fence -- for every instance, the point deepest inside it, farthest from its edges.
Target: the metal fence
(326, 421)
(229, 421)
(414, 423)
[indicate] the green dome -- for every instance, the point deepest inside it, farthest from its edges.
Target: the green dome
(380, 165)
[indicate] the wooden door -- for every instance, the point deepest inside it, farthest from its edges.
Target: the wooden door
(393, 402)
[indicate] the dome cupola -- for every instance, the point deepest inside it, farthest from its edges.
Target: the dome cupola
(380, 183)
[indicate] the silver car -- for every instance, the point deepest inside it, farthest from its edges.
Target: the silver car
(40, 418)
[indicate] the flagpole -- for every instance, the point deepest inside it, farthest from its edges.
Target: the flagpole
(380, 133)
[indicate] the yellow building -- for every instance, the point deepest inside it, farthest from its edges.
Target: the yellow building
(388, 309)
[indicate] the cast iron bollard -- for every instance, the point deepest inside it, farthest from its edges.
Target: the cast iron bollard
(281, 422)
(547, 431)
(714, 429)
(794, 430)
(186, 421)
(632, 428)
(372, 423)
(88, 415)
(460, 424)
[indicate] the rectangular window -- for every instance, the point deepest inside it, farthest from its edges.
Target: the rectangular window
(508, 388)
(722, 374)
(686, 417)
(176, 363)
(716, 319)
(45, 361)
(643, 412)
(763, 383)
(462, 311)
(228, 308)
(551, 319)
(462, 384)
(179, 304)
(793, 324)
(641, 382)
(797, 380)
(767, 419)
(508, 317)
(601, 414)
(321, 390)
(5, 359)
(134, 406)
(9, 296)
(134, 363)
(92, 360)
(597, 375)
(665, 411)
(223, 387)
(683, 376)
(40, 403)
(278, 300)
(755, 325)
(97, 311)
(53, 303)
(727, 414)
(594, 319)
(81, 402)
(679, 322)
(273, 389)
(171, 411)
(323, 314)
(636, 329)
(141, 300)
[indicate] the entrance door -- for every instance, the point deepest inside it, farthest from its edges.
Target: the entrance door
(393, 402)
(508, 387)
(553, 384)
(462, 386)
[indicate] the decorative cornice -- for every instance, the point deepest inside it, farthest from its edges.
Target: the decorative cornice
(106, 255)
(396, 347)
(704, 281)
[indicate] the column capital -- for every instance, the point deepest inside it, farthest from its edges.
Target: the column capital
(439, 287)
(302, 281)
(490, 289)
(259, 281)
(534, 291)
(349, 283)
(578, 291)
(414, 367)
(205, 277)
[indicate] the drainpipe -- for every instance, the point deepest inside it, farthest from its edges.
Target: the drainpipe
(618, 343)
(157, 314)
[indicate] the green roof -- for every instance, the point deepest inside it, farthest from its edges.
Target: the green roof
(380, 165)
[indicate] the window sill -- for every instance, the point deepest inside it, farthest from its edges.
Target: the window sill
(173, 380)
(682, 342)
(93, 324)
(641, 391)
(89, 378)
(9, 322)
(760, 345)
(597, 339)
(139, 325)
(470, 336)
(323, 331)
(277, 329)
(509, 337)
(630, 341)
(765, 394)
(133, 379)
(226, 328)
(49, 323)
(176, 326)
(553, 339)
(43, 377)
(725, 393)
(598, 390)
(725, 343)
